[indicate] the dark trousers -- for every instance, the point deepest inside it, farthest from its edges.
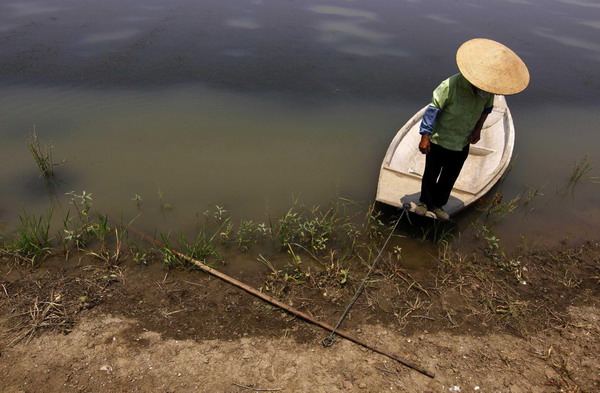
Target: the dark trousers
(442, 167)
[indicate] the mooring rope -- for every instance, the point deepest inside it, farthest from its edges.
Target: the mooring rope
(329, 340)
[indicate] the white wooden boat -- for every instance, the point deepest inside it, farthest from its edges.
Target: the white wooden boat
(400, 176)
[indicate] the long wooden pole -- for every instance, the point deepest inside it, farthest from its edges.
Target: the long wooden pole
(284, 306)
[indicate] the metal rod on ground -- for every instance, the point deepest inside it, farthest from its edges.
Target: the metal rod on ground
(284, 306)
(329, 340)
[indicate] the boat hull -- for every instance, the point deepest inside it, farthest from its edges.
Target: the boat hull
(402, 168)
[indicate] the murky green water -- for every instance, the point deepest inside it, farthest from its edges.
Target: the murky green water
(251, 104)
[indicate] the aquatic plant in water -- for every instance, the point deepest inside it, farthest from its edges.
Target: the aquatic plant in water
(42, 156)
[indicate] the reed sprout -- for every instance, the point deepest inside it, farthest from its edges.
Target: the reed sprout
(532, 193)
(42, 156)
(580, 169)
(138, 200)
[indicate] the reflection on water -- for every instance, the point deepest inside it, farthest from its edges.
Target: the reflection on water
(441, 19)
(378, 50)
(109, 36)
(31, 8)
(591, 23)
(243, 23)
(370, 51)
(521, 2)
(343, 11)
(339, 31)
(251, 104)
(569, 41)
(582, 3)
(349, 37)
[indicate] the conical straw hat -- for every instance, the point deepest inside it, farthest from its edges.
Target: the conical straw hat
(492, 67)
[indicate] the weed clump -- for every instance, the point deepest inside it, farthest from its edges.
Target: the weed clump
(319, 230)
(31, 242)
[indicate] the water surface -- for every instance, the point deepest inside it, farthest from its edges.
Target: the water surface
(251, 104)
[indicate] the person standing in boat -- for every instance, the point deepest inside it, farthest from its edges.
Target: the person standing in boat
(454, 118)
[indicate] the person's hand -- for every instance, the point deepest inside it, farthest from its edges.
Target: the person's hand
(475, 137)
(424, 145)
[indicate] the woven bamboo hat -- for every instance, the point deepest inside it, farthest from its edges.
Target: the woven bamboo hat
(492, 67)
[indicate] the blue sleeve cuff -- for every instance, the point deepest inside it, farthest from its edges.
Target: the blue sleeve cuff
(487, 111)
(428, 121)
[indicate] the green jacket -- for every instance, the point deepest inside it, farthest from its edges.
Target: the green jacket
(460, 107)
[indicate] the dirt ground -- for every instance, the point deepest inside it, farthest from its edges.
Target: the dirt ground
(80, 325)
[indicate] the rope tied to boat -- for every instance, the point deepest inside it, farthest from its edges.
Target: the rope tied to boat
(330, 339)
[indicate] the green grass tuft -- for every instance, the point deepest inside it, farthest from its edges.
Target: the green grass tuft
(31, 240)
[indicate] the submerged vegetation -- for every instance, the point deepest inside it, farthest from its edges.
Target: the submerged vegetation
(580, 170)
(336, 238)
(316, 232)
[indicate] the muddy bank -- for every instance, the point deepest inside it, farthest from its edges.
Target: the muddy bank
(520, 323)
(105, 353)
